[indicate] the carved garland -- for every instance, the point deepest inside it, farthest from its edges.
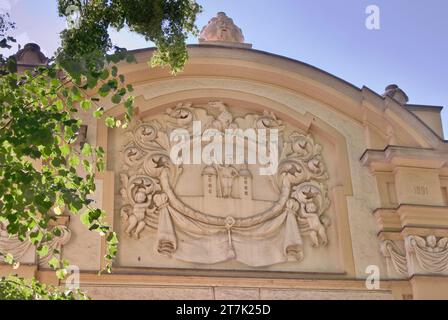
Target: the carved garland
(13, 245)
(393, 254)
(430, 254)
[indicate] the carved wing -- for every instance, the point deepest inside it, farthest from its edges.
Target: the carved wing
(419, 241)
(443, 243)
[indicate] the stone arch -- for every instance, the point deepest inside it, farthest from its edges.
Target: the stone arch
(361, 104)
(341, 182)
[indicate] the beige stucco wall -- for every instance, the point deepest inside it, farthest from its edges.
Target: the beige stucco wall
(431, 116)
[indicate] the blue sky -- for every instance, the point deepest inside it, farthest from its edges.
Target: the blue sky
(410, 49)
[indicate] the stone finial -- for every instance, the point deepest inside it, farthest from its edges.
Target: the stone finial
(393, 91)
(221, 30)
(31, 55)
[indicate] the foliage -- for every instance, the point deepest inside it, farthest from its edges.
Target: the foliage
(17, 288)
(44, 170)
(40, 162)
(167, 23)
(7, 64)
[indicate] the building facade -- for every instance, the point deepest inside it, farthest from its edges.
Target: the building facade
(361, 190)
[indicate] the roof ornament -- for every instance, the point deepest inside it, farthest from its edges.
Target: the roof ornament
(221, 30)
(31, 55)
(395, 92)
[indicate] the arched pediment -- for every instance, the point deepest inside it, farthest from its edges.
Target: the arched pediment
(343, 119)
(386, 121)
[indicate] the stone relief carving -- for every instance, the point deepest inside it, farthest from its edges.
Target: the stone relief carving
(18, 248)
(431, 254)
(221, 28)
(55, 245)
(395, 258)
(422, 255)
(223, 223)
(12, 244)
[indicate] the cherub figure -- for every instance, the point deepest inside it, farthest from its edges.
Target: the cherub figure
(310, 211)
(224, 120)
(136, 220)
(430, 243)
(182, 114)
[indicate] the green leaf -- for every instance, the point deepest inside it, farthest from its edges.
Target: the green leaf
(99, 152)
(53, 263)
(42, 251)
(74, 160)
(114, 71)
(9, 259)
(65, 150)
(36, 237)
(104, 90)
(59, 105)
(86, 150)
(87, 166)
(104, 74)
(110, 122)
(61, 274)
(76, 94)
(92, 82)
(95, 214)
(98, 113)
(85, 218)
(129, 105)
(57, 232)
(116, 99)
(86, 105)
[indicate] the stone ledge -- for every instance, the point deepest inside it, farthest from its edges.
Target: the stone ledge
(396, 156)
(411, 216)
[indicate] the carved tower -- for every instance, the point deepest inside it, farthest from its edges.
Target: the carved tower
(209, 180)
(245, 183)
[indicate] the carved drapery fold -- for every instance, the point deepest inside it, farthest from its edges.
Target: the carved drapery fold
(208, 243)
(12, 244)
(55, 245)
(17, 248)
(393, 254)
(422, 255)
(431, 254)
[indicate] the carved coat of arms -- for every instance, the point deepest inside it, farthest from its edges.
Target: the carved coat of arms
(226, 220)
